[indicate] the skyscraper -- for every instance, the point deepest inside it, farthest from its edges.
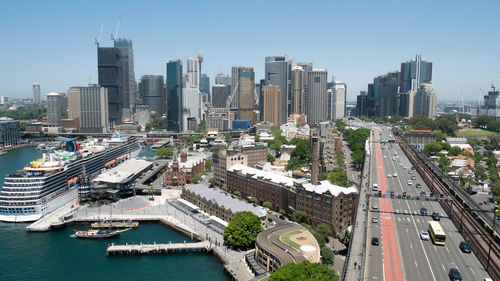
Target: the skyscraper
(272, 104)
(192, 101)
(425, 101)
(414, 72)
(297, 90)
(54, 109)
(246, 89)
(317, 101)
(386, 89)
(221, 79)
(277, 72)
(174, 96)
(490, 100)
(361, 104)
(219, 95)
(192, 72)
(339, 93)
(36, 94)
(205, 84)
(407, 103)
(234, 87)
(127, 64)
(307, 67)
(90, 106)
(151, 89)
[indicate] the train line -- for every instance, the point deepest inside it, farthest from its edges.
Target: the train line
(469, 220)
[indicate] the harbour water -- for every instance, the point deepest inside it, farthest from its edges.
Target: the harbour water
(56, 255)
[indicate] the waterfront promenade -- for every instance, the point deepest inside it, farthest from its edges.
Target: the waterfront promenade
(141, 249)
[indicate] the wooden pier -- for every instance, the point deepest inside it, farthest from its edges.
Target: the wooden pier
(158, 249)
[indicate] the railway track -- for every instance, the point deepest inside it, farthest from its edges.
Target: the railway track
(468, 220)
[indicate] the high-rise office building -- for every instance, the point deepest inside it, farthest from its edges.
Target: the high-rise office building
(407, 103)
(127, 64)
(151, 89)
(192, 101)
(246, 90)
(386, 89)
(307, 67)
(220, 95)
(362, 104)
(205, 84)
(490, 100)
(90, 106)
(317, 101)
(234, 91)
(272, 104)
(278, 72)
(413, 73)
(116, 73)
(192, 72)
(297, 90)
(54, 109)
(174, 96)
(425, 101)
(221, 79)
(339, 93)
(37, 99)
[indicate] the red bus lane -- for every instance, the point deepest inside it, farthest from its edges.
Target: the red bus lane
(392, 264)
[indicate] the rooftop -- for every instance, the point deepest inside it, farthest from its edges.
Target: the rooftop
(123, 172)
(270, 176)
(325, 185)
(225, 200)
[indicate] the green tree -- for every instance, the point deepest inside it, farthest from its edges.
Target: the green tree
(228, 137)
(443, 164)
(480, 172)
(304, 271)
(252, 199)
(202, 127)
(491, 161)
(445, 146)
(224, 187)
(268, 205)
(358, 156)
(211, 180)
(326, 255)
(447, 124)
(301, 150)
(282, 212)
(322, 176)
(432, 148)
(208, 164)
(321, 240)
(338, 177)
(295, 164)
(165, 152)
(196, 178)
(481, 121)
(340, 124)
(300, 217)
(345, 237)
(454, 151)
(237, 193)
(270, 158)
(324, 230)
(422, 123)
(242, 230)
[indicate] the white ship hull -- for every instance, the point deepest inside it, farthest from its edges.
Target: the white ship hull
(43, 209)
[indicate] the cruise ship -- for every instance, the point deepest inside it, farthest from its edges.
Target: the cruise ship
(48, 183)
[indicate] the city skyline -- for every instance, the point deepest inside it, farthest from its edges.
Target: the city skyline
(462, 64)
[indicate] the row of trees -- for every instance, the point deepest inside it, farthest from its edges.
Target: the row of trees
(487, 123)
(356, 140)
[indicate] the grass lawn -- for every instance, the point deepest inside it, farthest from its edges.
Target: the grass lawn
(475, 133)
(286, 239)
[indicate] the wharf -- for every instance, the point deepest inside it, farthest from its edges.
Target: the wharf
(44, 224)
(158, 249)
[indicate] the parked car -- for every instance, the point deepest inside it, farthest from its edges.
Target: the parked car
(423, 211)
(375, 220)
(423, 194)
(424, 235)
(418, 185)
(465, 247)
(413, 177)
(410, 182)
(375, 241)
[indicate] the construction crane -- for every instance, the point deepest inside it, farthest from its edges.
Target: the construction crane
(98, 38)
(230, 98)
(114, 36)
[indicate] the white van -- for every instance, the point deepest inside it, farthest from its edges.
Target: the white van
(375, 187)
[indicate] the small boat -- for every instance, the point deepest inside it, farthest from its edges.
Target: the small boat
(97, 233)
(115, 224)
(3, 152)
(58, 225)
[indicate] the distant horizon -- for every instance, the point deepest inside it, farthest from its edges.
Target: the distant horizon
(58, 55)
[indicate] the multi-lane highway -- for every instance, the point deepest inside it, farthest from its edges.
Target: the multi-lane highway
(402, 254)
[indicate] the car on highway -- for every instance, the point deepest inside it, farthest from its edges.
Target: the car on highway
(395, 175)
(409, 172)
(413, 168)
(423, 194)
(375, 241)
(404, 194)
(436, 216)
(385, 157)
(413, 177)
(424, 235)
(418, 185)
(410, 182)
(404, 167)
(392, 194)
(374, 206)
(486, 203)
(389, 175)
(423, 211)
(375, 187)
(375, 220)
(465, 247)
(400, 164)
(454, 274)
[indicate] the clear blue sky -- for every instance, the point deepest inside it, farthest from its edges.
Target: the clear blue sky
(52, 42)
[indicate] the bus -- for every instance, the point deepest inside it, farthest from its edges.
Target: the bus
(437, 233)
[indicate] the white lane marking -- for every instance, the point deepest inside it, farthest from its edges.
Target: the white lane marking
(473, 273)
(411, 246)
(407, 230)
(418, 220)
(443, 267)
(435, 248)
(447, 250)
(399, 219)
(416, 230)
(416, 265)
(408, 221)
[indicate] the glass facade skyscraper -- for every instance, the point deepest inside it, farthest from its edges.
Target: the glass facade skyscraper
(415, 72)
(174, 96)
(152, 93)
(278, 72)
